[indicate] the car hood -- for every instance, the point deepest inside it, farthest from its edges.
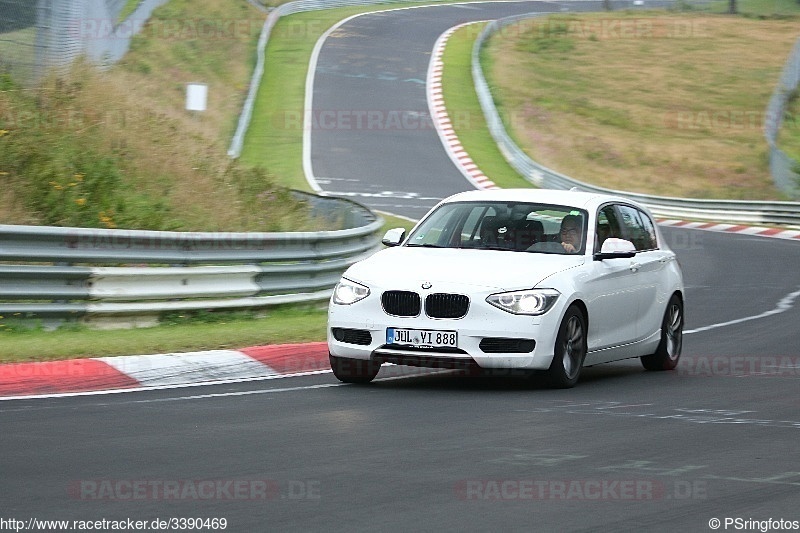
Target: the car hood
(492, 269)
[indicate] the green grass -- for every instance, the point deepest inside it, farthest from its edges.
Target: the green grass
(391, 221)
(759, 8)
(465, 110)
(275, 136)
(179, 334)
(129, 7)
(117, 149)
(17, 51)
(672, 111)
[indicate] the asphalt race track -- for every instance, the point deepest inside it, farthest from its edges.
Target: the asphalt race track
(421, 450)
(372, 137)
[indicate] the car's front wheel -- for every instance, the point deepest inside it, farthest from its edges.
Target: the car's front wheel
(669, 349)
(353, 370)
(570, 350)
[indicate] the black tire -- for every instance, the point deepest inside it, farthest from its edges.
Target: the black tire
(669, 349)
(570, 350)
(353, 370)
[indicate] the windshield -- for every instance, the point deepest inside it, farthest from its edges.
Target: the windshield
(516, 226)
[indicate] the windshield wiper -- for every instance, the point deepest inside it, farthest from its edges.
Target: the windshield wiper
(499, 248)
(426, 245)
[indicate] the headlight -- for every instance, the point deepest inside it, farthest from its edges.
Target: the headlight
(349, 292)
(530, 302)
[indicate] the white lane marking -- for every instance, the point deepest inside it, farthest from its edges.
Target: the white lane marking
(624, 406)
(221, 382)
(389, 194)
(284, 389)
(696, 416)
(414, 220)
(786, 303)
(164, 387)
(308, 169)
(240, 393)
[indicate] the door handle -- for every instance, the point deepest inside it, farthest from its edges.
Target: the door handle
(635, 266)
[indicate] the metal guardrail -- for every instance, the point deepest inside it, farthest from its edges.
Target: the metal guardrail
(97, 272)
(37, 35)
(781, 166)
(740, 211)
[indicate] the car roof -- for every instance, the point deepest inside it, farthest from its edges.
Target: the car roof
(571, 198)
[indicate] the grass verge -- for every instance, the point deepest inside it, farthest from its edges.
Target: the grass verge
(117, 149)
(128, 9)
(178, 333)
(758, 8)
(668, 104)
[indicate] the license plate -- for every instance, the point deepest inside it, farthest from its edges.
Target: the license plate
(424, 338)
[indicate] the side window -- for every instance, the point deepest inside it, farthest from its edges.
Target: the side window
(638, 228)
(650, 231)
(607, 226)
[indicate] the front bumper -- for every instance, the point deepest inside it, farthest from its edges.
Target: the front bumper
(360, 333)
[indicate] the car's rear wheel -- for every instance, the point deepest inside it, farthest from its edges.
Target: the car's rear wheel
(570, 350)
(669, 349)
(353, 370)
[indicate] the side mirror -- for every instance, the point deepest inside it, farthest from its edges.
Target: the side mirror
(616, 249)
(394, 237)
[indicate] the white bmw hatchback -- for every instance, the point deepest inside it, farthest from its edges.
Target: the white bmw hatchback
(528, 279)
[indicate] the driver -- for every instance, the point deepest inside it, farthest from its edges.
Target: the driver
(571, 233)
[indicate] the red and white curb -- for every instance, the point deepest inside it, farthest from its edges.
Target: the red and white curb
(441, 119)
(776, 233)
(157, 371)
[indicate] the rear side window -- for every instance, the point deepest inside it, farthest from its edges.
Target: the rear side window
(639, 228)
